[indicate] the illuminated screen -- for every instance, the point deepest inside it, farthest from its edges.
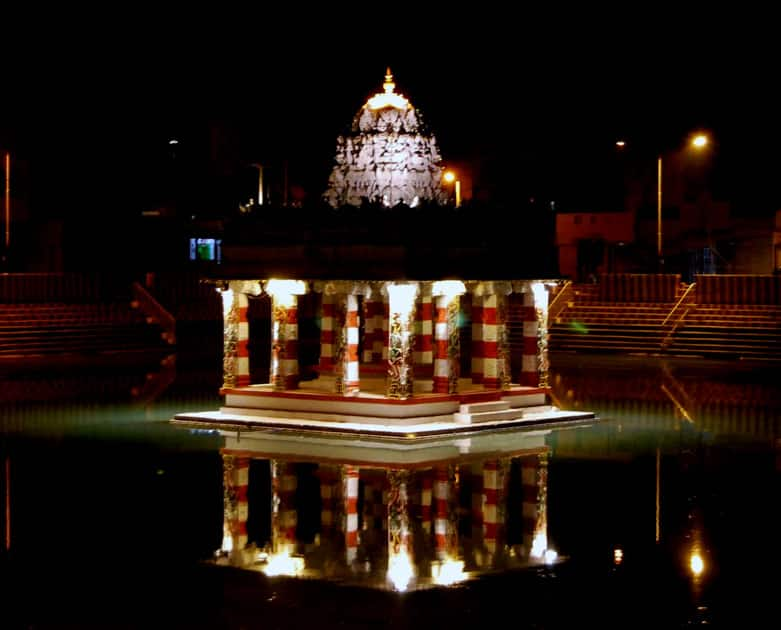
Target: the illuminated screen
(206, 249)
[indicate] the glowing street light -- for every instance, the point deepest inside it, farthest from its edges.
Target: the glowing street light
(450, 177)
(698, 141)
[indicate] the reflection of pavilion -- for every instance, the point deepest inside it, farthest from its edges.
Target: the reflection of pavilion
(370, 512)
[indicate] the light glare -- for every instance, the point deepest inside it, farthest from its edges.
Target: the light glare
(696, 564)
(400, 571)
(448, 572)
(283, 564)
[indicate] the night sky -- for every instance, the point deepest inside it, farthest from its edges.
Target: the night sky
(536, 106)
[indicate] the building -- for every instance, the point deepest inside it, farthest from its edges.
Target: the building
(413, 342)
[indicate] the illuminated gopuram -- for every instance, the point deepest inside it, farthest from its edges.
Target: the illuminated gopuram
(389, 157)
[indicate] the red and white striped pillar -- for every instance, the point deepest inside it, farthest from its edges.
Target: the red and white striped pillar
(426, 487)
(242, 349)
(327, 334)
(236, 508)
(477, 338)
(350, 494)
(350, 376)
(446, 346)
(491, 334)
(441, 505)
(529, 364)
(491, 496)
(284, 343)
(447, 338)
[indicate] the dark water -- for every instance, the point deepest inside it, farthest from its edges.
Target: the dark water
(113, 510)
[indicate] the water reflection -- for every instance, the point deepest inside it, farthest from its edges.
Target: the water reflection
(385, 514)
(685, 463)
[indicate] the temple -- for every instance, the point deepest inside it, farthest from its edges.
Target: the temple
(388, 361)
(397, 354)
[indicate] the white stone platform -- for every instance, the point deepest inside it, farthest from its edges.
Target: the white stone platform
(370, 412)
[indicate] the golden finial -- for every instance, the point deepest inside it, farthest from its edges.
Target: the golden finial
(389, 98)
(389, 85)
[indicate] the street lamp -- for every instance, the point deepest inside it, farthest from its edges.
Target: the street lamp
(698, 141)
(450, 177)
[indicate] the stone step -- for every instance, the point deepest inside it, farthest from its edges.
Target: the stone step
(486, 416)
(524, 400)
(496, 405)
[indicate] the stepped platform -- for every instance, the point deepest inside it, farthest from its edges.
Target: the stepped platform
(371, 413)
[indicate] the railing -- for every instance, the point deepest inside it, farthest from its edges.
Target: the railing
(151, 308)
(21, 288)
(552, 312)
(668, 337)
(678, 303)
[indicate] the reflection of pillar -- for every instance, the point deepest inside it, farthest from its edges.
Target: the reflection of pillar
(491, 496)
(235, 482)
(327, 334)
(284, 343)
(288, 519)
(401, 300)
(368, 504)
(398, 514)
(441, 503)
(477, 338)
(447, 345)
(242, 348)
(529, 506)
(477, 505)
(529, 373)
(329, 491)
(541, 526)
(426, 483)
(350, 494)
(230, 321)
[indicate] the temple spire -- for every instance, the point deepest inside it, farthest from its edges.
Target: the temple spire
(388, 98)
(389, 85)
